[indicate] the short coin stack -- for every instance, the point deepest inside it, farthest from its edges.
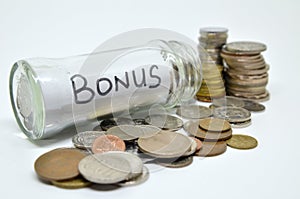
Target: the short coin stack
(246, 72)
(211, 41)
(213, 132)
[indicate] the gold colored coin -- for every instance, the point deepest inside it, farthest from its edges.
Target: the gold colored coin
(214, 124)
(75, 183)
(212, 149)
(242, 142)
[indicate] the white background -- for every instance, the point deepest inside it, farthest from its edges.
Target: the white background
(59, 28)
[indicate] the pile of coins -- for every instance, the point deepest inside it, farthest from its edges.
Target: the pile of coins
(246, 73)
(213, 132)
(211, 41)
(118, 149)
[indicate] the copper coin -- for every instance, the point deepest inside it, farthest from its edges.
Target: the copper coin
(214, 124)
(59, 164)
(212, 149)
(107, 143)
(242, 142)
(74, 183)
(213, 136)
(199, 143)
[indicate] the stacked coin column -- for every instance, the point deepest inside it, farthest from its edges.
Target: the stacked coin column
(210, 45)
(246, 71)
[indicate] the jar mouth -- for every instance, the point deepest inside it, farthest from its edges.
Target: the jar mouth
(27, 100)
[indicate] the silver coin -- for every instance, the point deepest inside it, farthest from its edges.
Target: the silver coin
(228, 101)
(232, 114)
(246, 46)
(137, 180)
(108, 123)
(24, 97)
(166, 122)
(193, 148)
(194, 112)
(179, 163)
(253, 106)
(103, 168)
(135, 162)
(241, 124)
(84, 140)
(132, 132)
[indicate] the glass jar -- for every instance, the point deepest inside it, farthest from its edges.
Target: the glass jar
(48, 95)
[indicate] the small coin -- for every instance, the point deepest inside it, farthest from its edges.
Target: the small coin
(74, 183)
(241, 124)
(232, 114)
(108, 123)
(166, 122)
(84, 140)
(107, 143)
(246, 47)
(137, 180)
(214, 124)
(104, 168)
(165, 144)
(228, 101)
(24, 97)
(179, 163)
(59, 164)
(213, 136)
(192, 149)
(253, 106)
(211, 149)
(194, 111)
(199, 143)
(242, 142)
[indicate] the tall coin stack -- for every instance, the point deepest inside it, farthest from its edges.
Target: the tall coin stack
(211, 41)
(246, 71)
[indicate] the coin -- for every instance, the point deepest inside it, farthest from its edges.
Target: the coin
(211, 149)
(199, 143)
(58, 164)
(104, 168)
(213, 136)
(166, 122)
(108, 123)
(214, 124)
(135, 162)
(253, 106)
(232, 114)
(165, 144)
(137, 180)
(74, 183)
(228, 101)
(179, 163)
(84, 140)
(194, 111)
(107, 143)
(246, 47)
(192, 149)
(242, 142)
(241, 124)
(139, 121)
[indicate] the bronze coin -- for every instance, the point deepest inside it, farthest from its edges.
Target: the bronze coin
(107, 143)
(179, 163)
(214, 124)
(242, 142)
(213, 136)
(212, 149)
(74, 183)
(59, 164)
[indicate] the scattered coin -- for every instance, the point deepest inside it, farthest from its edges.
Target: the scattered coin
(228, 101)
(74, 183)
(108, 123)
(246, 47)
(107, 143)
(165, 144)
(253, 106)
(214, 124)
(84, 140)
(58, 164)
(232, 114)
(241, 124)
(165, 122)
(242, 142)
(212, 149)
(104, 168)
(137, 180)
(194, 111)
(213, 136)
(192, 149)
(199, 143)
(179, 163)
